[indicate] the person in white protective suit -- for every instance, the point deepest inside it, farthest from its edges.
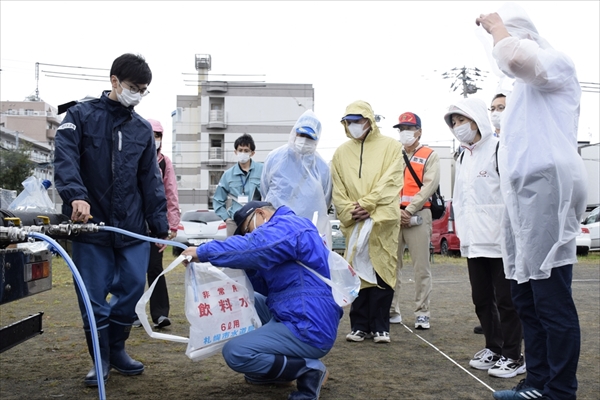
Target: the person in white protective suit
(543, 183)
(295, 175)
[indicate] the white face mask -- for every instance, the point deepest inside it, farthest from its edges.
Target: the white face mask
(356, 130)
(127, 98)
(254, 222)
(496, 118)
(305, 145)
(243, 157)
(464, 133)
(407, 138)
(158, 143)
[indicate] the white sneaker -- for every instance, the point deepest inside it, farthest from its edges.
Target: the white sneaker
(356, 336)
(422, 322)
(484, 359)
(381, 337)
(508, 368)
(396, 319)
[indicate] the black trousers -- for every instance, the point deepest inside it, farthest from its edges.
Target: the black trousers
(491, 295)
(370, 311)
(159, 301)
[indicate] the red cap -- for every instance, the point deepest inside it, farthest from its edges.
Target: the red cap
(410, 119)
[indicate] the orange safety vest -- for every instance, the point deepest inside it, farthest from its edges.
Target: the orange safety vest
(410, 188)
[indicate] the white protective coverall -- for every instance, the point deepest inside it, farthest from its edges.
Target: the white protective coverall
(300, 179)
(543, 179)
(477, 201)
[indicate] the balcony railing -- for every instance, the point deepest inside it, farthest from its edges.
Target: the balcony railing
(216, 119)
(215, 153)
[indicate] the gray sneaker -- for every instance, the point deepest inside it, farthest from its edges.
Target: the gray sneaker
(422, 322)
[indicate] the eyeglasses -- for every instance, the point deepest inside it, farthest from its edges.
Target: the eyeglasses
(245, 230)
(499, 108)
(134, 89)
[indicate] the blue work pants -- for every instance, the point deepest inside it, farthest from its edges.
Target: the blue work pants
(552, 334)
(254, 352)
(118, 271)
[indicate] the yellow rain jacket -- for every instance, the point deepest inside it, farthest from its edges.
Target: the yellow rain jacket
(370, 172)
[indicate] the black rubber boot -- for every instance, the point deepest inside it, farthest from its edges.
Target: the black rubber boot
(91, 379)
(308, 383)
(119, 359)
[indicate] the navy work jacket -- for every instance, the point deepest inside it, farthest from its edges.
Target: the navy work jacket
(105, 154)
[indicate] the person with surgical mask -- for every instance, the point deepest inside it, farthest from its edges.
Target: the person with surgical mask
(295, 175)
(544, 187)
(415, 200)
(478, 208)
(367, 172)
(496, 109)
(240, 183)
(105, 165)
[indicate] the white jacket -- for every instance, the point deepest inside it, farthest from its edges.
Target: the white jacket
(477, 201)
(542, 176)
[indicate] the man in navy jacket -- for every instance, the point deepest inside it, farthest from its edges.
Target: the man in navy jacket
(300, 318)
(105, 166)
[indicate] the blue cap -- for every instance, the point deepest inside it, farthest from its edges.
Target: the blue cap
(307, 130)
(352, 117)
(46, 183)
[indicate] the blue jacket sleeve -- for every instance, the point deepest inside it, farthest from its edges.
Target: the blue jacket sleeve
(262, 249)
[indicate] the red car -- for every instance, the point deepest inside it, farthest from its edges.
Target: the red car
(443, 236)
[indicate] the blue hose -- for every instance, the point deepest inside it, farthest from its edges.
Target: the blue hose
(155, 240)
(88, 308)
(142, 237)
(84, 294)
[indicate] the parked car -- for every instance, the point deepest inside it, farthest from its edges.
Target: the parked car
(338, 239)
(592, 223)
(583, 241)
(197, 227)
(443, 233)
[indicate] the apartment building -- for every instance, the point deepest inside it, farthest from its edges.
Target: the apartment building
(34, 118)
(205, 127)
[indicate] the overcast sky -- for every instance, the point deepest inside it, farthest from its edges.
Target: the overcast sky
(391, 54)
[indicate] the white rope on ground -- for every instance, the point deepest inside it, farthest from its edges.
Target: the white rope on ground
(454, 362)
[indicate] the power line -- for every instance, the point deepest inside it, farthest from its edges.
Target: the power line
(211, 74)
(77, 79)
(72, 66)
(71, 73)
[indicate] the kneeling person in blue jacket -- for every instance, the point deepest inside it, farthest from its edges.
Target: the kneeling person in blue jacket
(300, 318)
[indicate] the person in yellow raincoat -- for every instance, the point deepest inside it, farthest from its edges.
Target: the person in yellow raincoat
(367, 174)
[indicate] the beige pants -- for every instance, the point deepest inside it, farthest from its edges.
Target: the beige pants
(417, 239)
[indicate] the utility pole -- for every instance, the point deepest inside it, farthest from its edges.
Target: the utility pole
(462, 76)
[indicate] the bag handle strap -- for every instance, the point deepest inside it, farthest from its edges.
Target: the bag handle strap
(140, 307)
(321, 277)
